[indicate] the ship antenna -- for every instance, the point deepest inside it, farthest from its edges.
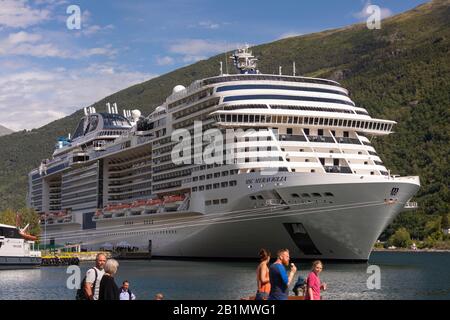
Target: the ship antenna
(226, 62)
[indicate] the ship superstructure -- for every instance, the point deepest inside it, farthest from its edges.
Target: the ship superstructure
(223, 167)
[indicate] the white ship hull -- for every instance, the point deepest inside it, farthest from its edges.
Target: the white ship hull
(342, 227)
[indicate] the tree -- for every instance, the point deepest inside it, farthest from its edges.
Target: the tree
(401, 238)
(26, 216)
(445, 224)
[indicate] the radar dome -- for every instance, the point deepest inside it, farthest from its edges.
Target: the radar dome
(135, 114)
(178, 88)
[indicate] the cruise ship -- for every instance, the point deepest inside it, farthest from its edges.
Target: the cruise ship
(224, 167)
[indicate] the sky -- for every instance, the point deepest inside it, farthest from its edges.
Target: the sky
(49, 69)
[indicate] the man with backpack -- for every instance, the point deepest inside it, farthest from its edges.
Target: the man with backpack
(90, 287)
(125, 292)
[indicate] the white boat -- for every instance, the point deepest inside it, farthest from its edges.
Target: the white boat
(301, 173)
(16, 250)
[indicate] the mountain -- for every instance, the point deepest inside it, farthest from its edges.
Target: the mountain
(400, 72)
(5, 131)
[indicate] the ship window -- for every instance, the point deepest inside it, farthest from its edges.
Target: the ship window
(306, 131)
(306, 195)
(194, 189)
(201, 188)
(209, 176)
(195, 179)
(260, 197)
(208, 202)
(329, 194)
(216, 185)
(202, 178)
(217, 175)
(294, 195)
(216, 201)
(320, 132)
(312, 170)
(224, 184)
(252, 197)
(289, 131)
(233, 183)
(208, 186)
(316, 195)
(224, 173)
(223, 201)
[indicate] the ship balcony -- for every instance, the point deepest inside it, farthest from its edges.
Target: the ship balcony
(337, 169)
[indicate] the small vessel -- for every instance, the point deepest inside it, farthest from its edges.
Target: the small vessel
(17, 248)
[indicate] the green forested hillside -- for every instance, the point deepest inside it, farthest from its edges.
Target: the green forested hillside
(401, 72)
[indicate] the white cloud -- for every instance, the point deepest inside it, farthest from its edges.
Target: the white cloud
(32, 44)
(94, 29)
(164, 61)
(198, 49)
(18, 14)
(290, 35)
(28, 44)
(209, 25)
(34, 98)
(363, 14)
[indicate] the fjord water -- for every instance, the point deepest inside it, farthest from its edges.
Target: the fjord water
(417, 275)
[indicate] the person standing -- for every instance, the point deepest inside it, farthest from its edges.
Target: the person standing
(313, 282)
(262, 276)
(93, 278)
(279, 278)
(108, 287)
(125, 292)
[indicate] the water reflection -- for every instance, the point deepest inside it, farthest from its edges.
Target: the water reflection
(403, 276)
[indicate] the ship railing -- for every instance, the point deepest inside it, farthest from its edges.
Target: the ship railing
(345, 140)
(273, 202)
(322, 139)
(285, 137)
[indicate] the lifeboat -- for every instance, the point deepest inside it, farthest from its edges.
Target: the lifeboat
(172, 203)
(98, 214)
(137, 207)
(152, 206)
(120, 209)
(60, 216)
(107, 213)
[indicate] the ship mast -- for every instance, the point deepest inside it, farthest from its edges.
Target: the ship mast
(244, 61)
